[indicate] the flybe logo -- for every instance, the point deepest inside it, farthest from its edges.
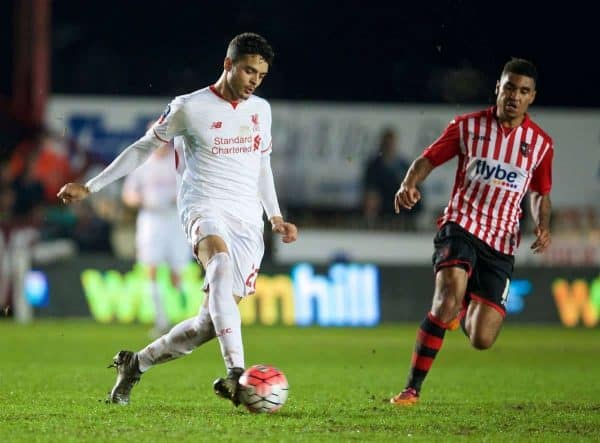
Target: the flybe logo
(496, 173)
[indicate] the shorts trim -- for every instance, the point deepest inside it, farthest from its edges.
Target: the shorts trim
(454, 263)
(489, 303)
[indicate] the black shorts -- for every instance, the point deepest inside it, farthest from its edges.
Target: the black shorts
(489, 271)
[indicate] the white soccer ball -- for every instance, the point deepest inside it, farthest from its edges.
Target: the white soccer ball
(263, 388)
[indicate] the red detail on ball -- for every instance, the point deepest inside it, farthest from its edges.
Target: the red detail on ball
(263, 388)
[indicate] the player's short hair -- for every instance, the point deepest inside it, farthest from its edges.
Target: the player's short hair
(520, 66)
(249, 43)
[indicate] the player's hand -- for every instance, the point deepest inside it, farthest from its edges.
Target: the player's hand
(543, 240)
(406, 197)
(72, 192)
(288, 231)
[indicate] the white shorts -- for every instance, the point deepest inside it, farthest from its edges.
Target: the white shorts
(244, 242)
(160, 239)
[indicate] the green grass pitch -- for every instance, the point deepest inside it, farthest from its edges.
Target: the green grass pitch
(538, 383)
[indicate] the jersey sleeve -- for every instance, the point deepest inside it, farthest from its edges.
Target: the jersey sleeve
(172, 121)
(267, 139)
(131, 157)
(541, 180)
(446, 146)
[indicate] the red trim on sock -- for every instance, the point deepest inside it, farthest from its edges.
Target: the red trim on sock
(431, 341)
(436, 321)
(420, 362)
(489, 303)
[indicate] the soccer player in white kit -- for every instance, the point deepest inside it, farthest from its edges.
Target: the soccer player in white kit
(152, 189)
(226, 184)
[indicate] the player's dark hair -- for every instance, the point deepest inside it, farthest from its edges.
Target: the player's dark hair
(250, 43)
(520, 66)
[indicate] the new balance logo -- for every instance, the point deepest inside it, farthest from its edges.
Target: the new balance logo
(216, 125)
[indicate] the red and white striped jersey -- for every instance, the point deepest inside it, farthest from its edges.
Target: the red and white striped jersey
(496, 167)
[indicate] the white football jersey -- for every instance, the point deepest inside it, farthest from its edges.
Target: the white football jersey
(222, 144)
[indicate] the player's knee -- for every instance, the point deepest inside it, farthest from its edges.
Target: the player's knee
(450, 282)
(482, 342)
(219, 265)
(448, 295)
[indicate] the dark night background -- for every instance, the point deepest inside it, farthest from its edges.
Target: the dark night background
(440, 51)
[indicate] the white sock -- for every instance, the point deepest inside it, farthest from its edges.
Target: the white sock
(182, 339)
(160, 321)
(224, 311)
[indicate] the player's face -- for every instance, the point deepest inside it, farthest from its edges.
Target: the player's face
(245, 75)
(514, 94)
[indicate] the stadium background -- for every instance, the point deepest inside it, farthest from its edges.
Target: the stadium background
(80, 80)
(83, 80)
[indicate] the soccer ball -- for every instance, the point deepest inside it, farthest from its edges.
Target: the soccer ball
(263, 388)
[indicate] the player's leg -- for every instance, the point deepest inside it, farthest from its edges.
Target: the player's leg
(187, 335)
(219, 312)
(179, 256)
(181, 340)
(246, 249)
(161, 321)
(450, 287)
(482, 323)
(212, 251)
(486, 311)
(151, 245)
(453, 260)
(191, 333)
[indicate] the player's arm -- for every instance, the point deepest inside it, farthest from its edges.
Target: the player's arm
(408, 194)
(268, 198)
(133, 156)
(169, 125)
(541, 206)
(442, 150)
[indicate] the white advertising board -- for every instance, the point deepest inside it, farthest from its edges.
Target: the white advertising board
(320, 149)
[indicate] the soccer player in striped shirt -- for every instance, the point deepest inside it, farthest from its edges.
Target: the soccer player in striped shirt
(502, 155)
